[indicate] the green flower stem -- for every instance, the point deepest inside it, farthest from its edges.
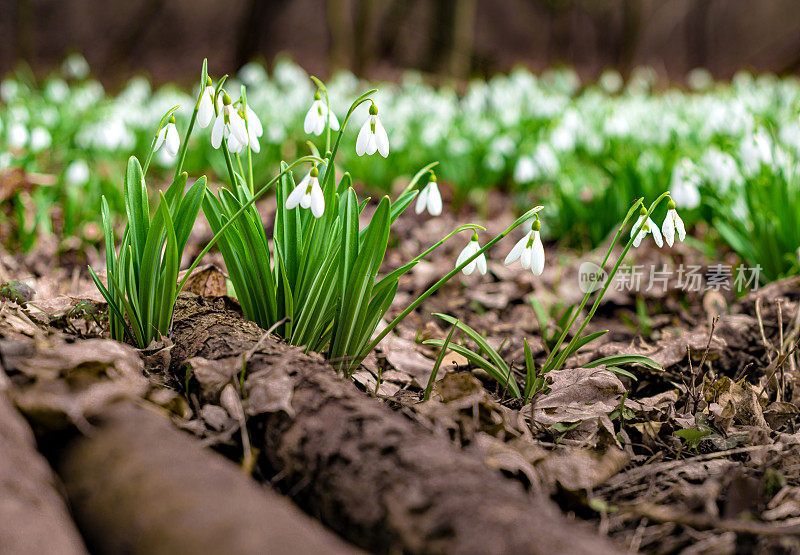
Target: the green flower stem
(358, 101)
(565, 331)
(563, 356)
(432, 289)
(238, 213)
(185, 142)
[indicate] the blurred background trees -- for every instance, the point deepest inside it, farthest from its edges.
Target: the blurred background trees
(376, 38)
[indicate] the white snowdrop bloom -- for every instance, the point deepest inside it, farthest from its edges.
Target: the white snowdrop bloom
(672, 223)
(308, 194)
(76, 66)
(648, 227)
(429, 198)
(9, 89)
(611, 81)
(254, 129)
(315, 117)
(529, 250)
(40, 139)
(228, 124)
(205, 110)
(5, 160)
(372, 137)
(77, 173)
(700, 79)
(684, 186)
(168, 135)
(546, 160)
(721, 169)
(17, 135)
(479, 262)
(525, 170)
(755, 150)
(56, 90)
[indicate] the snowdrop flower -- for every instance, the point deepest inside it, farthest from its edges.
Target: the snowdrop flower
(529, 250)
(229, 124)
(77, 173)
(684, 185)
(17, 135)
(372, 136)
(648, 227)
(40, 139)
(205, 109)
(429, 198)
(169, 135)
(308, 194)
(315, 117)
(480, 262)
(672, 223)
(254, 129)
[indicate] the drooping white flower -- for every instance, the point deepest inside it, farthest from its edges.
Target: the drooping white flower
(529, 250)
(17, 135)
(479, 262)
(254, 129)
(229, 124)
(40, 139)
(169, 135)
(308, 194)
(648, 227)
(77, 173)
(429, 198)
(205, 110)
(673, 223)
(315, 117)
(684, 186)
(372, 137)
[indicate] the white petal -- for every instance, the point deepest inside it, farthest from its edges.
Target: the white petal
(253, 122)
(434, 200)
(334, 122)
(319, 125)
(255, 146)
(317, 200)
(422, 201)
(217, 131)
(516, 251)
(537, 262)
(294, 197)
(381, 138)
(309, 122)
(668, 228)
(636, 227)
(363, 138)
(238, 127)
(205, 111)
(526, 258)
(173, 140)
(465, 253)
(656, 233)
(638, 240)
(679, 227)
(481, 260)
(372, 144)
(162, 133)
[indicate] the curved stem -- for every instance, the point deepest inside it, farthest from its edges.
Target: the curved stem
(432, 289)
(563, 356)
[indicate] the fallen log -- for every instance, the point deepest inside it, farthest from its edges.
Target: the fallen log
(139, 485)
(368, 472)
(33, 516)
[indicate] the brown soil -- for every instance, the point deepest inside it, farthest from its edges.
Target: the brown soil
(366, 471)
(138, 485)
(33, 515)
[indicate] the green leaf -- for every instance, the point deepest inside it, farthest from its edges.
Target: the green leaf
(617, 360)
